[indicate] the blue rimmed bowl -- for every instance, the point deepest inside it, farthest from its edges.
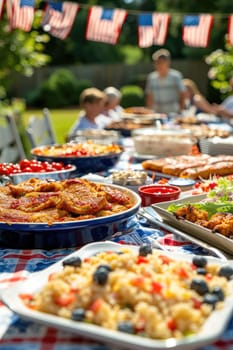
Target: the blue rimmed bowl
(84, 164)
(68, 234)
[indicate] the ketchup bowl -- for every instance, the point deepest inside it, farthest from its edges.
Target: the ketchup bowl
(158, 193)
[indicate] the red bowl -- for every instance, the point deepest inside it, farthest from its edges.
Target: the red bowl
(158, 193)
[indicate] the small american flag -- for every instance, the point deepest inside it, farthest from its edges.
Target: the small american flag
(230, 29)
(104, 24)
(196, 30)
(58, 18)
(2, 3)
(20, 14)
(152, 29)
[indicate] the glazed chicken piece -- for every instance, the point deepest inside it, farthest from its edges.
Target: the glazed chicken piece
(36, 201)
(222, 223)
(82, 202)
(191, 213)
(34, 185)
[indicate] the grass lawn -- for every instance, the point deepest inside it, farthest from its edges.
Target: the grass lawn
(61, 119)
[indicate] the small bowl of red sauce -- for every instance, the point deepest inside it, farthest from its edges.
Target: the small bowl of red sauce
(158, 193)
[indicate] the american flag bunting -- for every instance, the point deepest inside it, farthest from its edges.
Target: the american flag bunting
(20, 14)
(152, 29)
(58, 18)
(196, 30)
(230, 29)
(2, 3)
(104, 25)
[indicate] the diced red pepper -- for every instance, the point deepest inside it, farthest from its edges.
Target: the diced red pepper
(96, 305)
(193, 267)
(182, 273)
(137, 281)
(196, 303)
(156, 287)
(65, 299)
(171, 324)
(165, 259)
(141, 260)
(140, 326)
(208, 277)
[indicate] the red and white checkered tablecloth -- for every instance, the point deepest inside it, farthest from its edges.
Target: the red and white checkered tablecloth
(17, 265)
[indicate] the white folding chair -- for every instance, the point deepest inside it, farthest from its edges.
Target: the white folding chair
(11, 147)
(40, 130)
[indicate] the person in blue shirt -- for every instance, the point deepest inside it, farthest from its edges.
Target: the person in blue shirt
(164, 91)
(92, 102)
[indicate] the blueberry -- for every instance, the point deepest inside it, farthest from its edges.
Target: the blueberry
(210, 299)
(101, 276)
(78, 314)
(73, 261)
(105, 266)
(125, 327)
(199, 261)
(145, 249)
(226, 271)
(218, 292)
(200, 286)
(201, 271)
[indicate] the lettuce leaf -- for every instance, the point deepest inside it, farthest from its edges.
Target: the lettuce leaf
(210, 207)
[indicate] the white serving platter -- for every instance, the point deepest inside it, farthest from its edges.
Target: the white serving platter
(215, 239)
(211, 331)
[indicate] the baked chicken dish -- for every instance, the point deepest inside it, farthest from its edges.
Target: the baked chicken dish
(45, 201)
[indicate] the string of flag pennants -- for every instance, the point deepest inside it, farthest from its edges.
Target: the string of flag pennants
(105, 25)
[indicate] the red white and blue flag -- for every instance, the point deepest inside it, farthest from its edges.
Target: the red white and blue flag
(2, 3)
(59, 17)
(196, 30)
(152, 29)
(104, 25)
(230, 29)
(20, 14)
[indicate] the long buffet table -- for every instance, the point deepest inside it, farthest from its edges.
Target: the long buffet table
(17, 265)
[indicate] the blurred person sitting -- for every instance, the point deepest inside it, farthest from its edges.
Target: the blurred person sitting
(195, 101)
(225, 109)
(92, 102)
(113, 108)
(165, 91)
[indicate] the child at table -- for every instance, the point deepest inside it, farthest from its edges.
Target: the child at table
(92, 102)
(113, 108)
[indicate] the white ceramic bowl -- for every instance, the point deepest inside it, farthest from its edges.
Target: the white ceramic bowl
(161, 142)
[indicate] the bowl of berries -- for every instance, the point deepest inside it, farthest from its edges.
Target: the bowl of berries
(26, 169)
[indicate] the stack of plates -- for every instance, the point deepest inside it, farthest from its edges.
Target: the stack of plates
(217, 145)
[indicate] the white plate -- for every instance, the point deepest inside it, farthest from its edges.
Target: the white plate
(212, 329)
(202, 233)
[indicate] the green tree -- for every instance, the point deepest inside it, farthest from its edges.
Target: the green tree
(20, 51)
(221, 68)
